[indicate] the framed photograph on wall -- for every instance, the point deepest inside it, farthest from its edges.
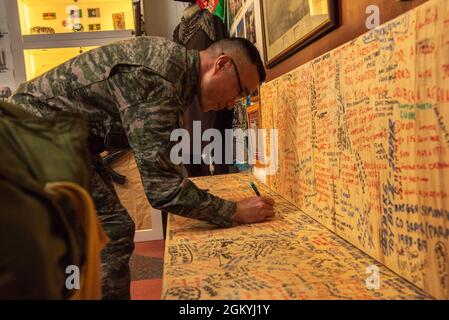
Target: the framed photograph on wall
(76, 13)
(250, 24)
(241, 29)
(254, 122)
(290, 25)
(95, 27)
(49, 15)
(118, 20)
(234, 7)
(93, 13)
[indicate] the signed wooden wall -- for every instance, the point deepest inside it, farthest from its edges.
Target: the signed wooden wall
(364, 143)
(289, 257)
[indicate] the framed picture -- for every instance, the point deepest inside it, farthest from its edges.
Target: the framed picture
(49, 15)
(250, 24)
(76, 13)
(2, 59)
(241, 29)
(95, 27)
(255, 95)
(93, 13)
(234, 7)
(291, 25)
(119, 21)
(253, 120)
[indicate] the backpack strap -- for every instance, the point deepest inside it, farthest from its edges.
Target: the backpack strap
(14, 111)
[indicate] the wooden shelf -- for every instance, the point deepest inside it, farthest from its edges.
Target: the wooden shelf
(74, 39)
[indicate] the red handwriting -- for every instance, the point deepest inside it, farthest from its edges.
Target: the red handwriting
(367, 75)
(408, 95)
(402, 74)
(430, 17)
(445, 71)
(426, 46)
(425, 74)
(399, 56)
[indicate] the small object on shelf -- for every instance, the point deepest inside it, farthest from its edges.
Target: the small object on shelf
(5, 93)
(42, 30)
(94, 27)
(78, 27)
(119, 21)
(255, 96)
(73, 13)
(2, 59)
(93, 13)
(49, 15)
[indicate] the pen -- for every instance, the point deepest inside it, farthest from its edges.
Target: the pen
(255, 188)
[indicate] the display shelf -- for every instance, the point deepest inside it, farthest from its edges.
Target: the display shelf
(46, 33)
(38, 61)
(68, 16)
(81, 39)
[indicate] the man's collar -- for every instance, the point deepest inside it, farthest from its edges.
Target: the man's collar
(192, 76)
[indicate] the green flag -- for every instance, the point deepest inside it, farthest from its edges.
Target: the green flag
(220, 10)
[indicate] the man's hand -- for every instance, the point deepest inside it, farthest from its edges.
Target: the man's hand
(255, 209)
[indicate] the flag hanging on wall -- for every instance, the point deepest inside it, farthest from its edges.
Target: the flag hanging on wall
(217, 7)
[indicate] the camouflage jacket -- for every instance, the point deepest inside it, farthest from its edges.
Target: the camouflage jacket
(140, 87)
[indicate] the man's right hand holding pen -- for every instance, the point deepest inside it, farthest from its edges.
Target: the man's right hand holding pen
(254, 209)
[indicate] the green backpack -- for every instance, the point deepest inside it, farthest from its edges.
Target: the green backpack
(39, 236)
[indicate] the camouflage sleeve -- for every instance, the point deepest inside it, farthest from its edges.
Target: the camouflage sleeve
(148, 128)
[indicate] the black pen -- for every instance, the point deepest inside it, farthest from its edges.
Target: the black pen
(253, 185)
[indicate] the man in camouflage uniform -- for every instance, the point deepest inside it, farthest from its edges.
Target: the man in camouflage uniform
(133, 94)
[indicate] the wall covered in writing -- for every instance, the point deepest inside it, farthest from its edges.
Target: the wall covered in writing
(291, 257)
(364, 143)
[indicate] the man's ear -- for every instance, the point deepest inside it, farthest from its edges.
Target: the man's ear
(221, 63)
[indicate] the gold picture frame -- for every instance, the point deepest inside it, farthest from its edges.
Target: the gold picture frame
(119, 21)
(254, 120)
(49, 16)
(294, 24)
(93, 13)
(95, 27)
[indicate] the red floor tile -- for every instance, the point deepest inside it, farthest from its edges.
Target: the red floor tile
(153, 249)
(146, 289)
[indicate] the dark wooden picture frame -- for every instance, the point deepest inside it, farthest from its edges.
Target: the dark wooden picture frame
(293, 44)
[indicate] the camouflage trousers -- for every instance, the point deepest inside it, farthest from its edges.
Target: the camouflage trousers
(120, 228)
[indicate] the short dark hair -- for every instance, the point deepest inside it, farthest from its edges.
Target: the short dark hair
(245, 46)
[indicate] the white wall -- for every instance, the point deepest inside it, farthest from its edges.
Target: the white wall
(162, 17)
(6, 78)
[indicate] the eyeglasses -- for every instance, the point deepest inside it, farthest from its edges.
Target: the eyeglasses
(241, 90)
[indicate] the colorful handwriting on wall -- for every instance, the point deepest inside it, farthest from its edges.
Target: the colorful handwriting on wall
(290, 257)
(364, 143)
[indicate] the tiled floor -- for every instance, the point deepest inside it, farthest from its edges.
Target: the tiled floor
(146, 270)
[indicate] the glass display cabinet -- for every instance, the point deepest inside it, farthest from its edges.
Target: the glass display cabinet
(49, 32)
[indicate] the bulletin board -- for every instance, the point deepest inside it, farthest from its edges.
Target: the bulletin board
(363, 143)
